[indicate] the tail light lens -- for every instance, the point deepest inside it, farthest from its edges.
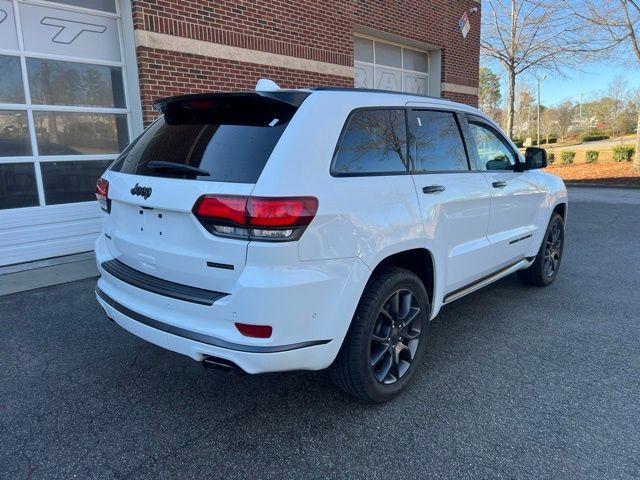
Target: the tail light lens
(102, 194)
(255, 331)
(256, 218)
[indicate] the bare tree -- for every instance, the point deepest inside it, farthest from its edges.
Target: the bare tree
(620, 21)
(529, 36)
(548, 122)
(564, 115)
(617, 92)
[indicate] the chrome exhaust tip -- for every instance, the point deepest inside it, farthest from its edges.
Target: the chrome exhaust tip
(222, 365)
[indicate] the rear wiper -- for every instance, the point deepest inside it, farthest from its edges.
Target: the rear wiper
(176, 167)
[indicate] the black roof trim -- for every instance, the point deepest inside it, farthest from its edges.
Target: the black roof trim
(290, 97)
(374, 90)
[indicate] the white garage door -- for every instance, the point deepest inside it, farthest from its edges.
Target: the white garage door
(389, 66)
(64, 116)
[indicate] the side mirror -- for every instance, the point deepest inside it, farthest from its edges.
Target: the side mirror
(534, 158)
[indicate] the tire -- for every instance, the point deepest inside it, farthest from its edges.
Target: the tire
(390, 298)
(542, 273)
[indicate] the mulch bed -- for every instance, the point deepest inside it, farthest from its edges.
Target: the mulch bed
(606, 173)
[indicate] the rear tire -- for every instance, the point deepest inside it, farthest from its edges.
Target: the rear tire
(544, 269)
(386, 341)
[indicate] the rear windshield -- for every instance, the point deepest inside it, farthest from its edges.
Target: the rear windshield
(230, 139)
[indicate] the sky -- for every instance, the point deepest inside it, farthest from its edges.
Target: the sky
(554, 89)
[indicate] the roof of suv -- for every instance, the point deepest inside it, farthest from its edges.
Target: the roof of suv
(295, 97)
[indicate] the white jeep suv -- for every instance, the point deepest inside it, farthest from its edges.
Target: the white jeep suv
(304, 229)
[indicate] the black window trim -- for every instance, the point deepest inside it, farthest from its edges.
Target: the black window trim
(518, 167)
(462, 119)
(456, 116)
(371, 174)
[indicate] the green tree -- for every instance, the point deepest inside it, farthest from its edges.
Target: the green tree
(489, 91)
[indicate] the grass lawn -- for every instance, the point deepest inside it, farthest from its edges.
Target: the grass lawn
(607, 173)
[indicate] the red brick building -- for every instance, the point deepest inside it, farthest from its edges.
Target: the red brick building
(195, 45)
(79, 78)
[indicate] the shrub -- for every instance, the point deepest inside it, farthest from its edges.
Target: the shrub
(567, 157)
(593, 136)
(592, 156)
(623, 153)
(552, 140)
(518, 142)
(551, 157)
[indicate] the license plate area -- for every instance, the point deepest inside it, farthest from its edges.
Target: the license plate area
(153, 223)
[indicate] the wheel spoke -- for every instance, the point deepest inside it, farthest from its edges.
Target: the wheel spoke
(379, 355)
(405, 304)
(386, 314)
(412, 314)
(382, 374)
(379, 339)
(395, 369)
(411, 334)
(394, 306)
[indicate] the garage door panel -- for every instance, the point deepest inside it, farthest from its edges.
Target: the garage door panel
(43, 233)
(72, 34)
(64, 116)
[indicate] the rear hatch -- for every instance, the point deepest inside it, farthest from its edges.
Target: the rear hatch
(202, 144)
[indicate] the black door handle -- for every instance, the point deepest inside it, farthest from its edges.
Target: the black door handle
(499, 184)
(433, 189)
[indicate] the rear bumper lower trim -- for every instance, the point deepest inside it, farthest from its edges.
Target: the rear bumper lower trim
(159, 286)
(201, 337)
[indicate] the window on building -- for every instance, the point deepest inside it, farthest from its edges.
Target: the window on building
(386, 66)
(66, 117)
(17, 185)
(437, 142)
(374, 141)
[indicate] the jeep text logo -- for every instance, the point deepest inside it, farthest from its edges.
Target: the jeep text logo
(144, 192)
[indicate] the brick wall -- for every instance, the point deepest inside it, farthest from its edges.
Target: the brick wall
(306, 29)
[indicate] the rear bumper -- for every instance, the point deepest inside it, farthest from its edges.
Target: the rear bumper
(308, 304)
(312, 355)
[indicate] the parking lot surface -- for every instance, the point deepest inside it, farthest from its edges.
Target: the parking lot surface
(517, 383)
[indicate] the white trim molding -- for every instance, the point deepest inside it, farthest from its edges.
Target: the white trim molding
(454, 88)
(172, 43)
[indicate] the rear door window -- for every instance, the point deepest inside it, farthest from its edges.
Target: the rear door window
(230, 139)
(374, 141)
(437, 144)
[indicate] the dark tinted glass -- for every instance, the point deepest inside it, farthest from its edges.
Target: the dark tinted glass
(70, 182)
(493, 151)
(72, 133)
(374, 141)
(231, 140)
(52, 82)
(11, 88)
(14, 134)
(437, 143)
(104, 5)
(17, 186)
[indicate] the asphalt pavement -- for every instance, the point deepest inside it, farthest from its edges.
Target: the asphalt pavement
(517, 383)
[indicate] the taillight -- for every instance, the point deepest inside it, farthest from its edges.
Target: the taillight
(256, 331)
(102, 193)
(256, 218)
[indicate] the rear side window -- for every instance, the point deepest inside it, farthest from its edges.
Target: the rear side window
(373, 142)
(437, 143)
(231, 140)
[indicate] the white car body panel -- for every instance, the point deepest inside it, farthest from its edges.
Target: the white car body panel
(308, 289)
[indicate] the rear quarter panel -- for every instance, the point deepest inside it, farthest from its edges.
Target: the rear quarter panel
(369, 217)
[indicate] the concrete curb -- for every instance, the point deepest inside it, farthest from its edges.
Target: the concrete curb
(600, 185)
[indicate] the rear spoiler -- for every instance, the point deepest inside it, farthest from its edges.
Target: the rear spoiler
(292, 98)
